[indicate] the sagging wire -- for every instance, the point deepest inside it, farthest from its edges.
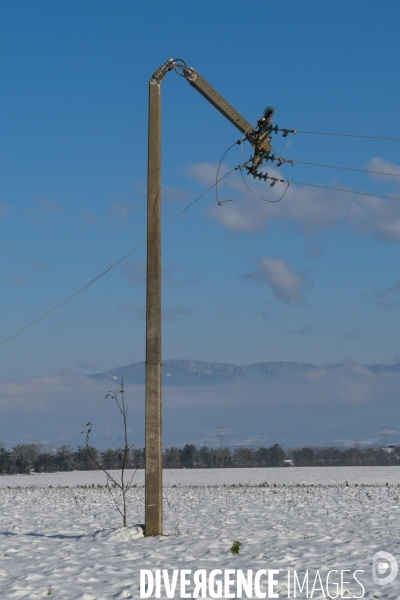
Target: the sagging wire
(260, 175)
(264, 157)
(274, 180)
(245, 139)
(84, 287)
(265, 176)
(221, 202)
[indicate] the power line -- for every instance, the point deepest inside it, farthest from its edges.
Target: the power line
(292, 161)
(289, 181)
(326, 187)
(221, 202)
(113, 265)
(72, 295)
(166, 225)
(352, 135)
(274, 180)
(299, 162)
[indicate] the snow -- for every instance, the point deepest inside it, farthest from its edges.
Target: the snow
(280, 476)
(60, 534)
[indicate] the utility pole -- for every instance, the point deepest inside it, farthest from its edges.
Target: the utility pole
(259, 138)
(153, 476)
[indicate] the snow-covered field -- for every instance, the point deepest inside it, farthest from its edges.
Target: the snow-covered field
(60, 534)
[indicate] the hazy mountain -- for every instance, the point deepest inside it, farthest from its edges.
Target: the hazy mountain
(294, 404)
(200, 373)
(258, 404)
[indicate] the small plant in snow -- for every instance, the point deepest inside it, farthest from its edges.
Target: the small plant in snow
(122, 485)
(235, 547)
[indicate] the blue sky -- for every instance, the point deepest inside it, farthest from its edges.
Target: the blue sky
(314, 278)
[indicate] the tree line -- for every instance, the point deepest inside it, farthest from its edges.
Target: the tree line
(25, 458)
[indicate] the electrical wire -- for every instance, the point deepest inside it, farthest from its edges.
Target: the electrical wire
(265, 199)
(352, 135)
(326, 187)
(220, 202)
(289, 142)
(292, 161)
(244, 139)
(217, 181)
(84, 287)
(180, 66)
(299, 162)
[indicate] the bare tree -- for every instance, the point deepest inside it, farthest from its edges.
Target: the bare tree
(122, 485)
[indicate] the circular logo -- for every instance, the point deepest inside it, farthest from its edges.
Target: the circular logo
(384, 568)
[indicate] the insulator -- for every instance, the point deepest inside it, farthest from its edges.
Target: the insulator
(268, 111)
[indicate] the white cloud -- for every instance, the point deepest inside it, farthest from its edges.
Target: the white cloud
(286, 284)
(383, 166)
(205, 172)
(313, 209)
(320, 402)
(39, 392)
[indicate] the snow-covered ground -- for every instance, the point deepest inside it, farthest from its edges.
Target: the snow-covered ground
(287, 475)
(60, 534)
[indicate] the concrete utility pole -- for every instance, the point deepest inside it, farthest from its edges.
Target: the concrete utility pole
(260, 139)
(153, 477)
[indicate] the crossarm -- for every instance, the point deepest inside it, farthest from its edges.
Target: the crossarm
(260, 141)
(211, 94)
(201, 85)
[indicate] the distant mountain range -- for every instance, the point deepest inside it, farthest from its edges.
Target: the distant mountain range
(200, 373)
(294, 404)
(259, 404)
